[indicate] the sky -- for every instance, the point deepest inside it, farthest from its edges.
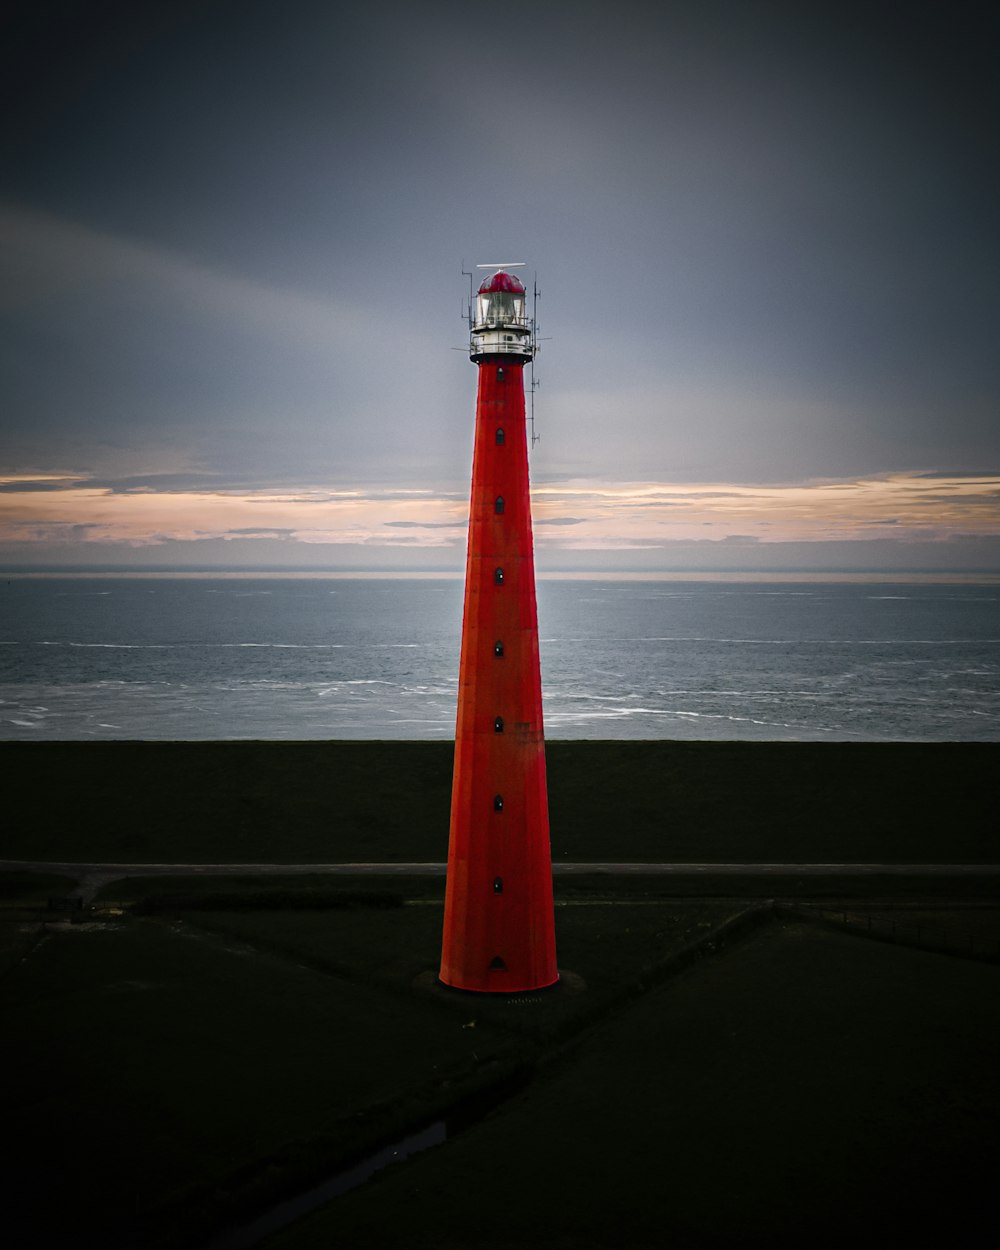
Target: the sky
(232, 238)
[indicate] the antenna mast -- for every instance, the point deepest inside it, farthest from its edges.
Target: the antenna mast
(533, 382)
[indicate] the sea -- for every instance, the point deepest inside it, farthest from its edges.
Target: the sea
(314, 657)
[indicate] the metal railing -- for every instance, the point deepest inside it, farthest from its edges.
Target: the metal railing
(508, 323)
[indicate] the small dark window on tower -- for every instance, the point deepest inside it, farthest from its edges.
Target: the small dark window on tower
(500, 374)
(498, 577)
(497, 964)
(498, 802)
(498, 725)
(498, 649)
(498, 505)
(498, 885)
(500, 435)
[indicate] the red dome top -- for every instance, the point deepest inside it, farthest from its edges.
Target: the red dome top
(501, 282)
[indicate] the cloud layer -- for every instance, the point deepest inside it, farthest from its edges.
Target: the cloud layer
(603, 521)
(231, 235)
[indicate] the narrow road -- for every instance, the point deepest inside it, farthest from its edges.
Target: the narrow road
(113, 872)
(92, 877)
(118, 870)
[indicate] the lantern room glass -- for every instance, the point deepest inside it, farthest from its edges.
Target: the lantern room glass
(500, 308)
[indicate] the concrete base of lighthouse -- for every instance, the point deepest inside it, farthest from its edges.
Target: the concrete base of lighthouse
(566, 983)
(495, 987)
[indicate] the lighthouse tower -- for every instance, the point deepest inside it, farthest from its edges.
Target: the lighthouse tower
(499, 930)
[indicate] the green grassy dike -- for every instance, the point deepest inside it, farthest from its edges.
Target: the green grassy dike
(711, 1071)
(316, 802)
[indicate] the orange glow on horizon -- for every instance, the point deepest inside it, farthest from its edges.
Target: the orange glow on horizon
(575, 515)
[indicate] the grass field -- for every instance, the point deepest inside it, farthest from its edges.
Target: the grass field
(697, 1079)
(803, 1088)
(165, 1064)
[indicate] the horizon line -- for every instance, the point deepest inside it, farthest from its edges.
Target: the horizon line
(269, 572)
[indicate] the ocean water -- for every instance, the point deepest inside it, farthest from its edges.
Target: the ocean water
(203, 658)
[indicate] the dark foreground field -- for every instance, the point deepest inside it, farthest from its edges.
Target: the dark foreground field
(714, 1069)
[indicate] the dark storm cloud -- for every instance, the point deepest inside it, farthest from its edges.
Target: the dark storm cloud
(982, 472)
(168, 482)
(255, 532)
(988, 499)
(181, 482)
(24, 485)
(427, 525)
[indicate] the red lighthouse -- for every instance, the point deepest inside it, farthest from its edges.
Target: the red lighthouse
(499, 928)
